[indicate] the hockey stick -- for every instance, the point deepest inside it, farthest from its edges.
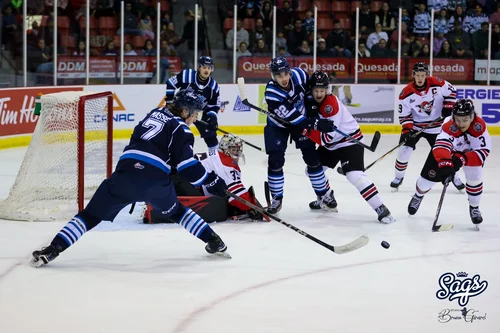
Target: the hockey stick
(267, 193)
(349, 247)
(225, 132)
(244, 100)
(341, 171)
(443, 227)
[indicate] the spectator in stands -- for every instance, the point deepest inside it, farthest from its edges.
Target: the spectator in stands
(445, 51)
(128, 50)
(461, 53)
(459, 36)
(48, 34)
(322, 50)
(33, 33)
(261, 48)
(296, 36)
(422, 22)
(437, 5)
(438, 41)
(110, 49)
(385, 18)
(188, 36)
(241, 35)
(146, 26)
(143, 10)
(363, 51)
(165, 20)
(441, 22)
(407, 19)
(380, 50)
(394, 40)
(148, 50)
(495, 41)
(42, 58)
(480, 41)
(414, 46)
(281, 40)
(260, 33)
(376, 36)
(266, 14)
(308, 22)
(406, 5)
(130, 22)
(366, 18)
(170, 35)
(104, 8)
(9, 26)
(457, 16)
(495, 17)
(80, 50)
(285, 17)
(225, 10)
(243, 50)
(304, 49)
(473, 21)
(425, 52)
(282, 52)
(247, 8)
(454, 4)
(338, 41)
(167, 50)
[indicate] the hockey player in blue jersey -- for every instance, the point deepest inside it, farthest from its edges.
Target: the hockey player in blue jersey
(160, 142)
(203, 84)
(285, 98)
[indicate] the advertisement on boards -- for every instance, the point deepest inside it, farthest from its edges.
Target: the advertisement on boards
(17, 106)
(109, 67)
(486, 101)
(234, 111)
(481, 70)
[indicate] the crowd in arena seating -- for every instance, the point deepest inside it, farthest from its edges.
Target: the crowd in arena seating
(460, 27)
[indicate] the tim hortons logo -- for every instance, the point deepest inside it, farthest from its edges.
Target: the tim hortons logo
(9, 115)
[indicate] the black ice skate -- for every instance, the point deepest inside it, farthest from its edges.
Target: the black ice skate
(475, 215)
(384, 215)
(414, 204)
(215, 245)
(44, 256)
(327, 201)
(458, 184)
(396, 183)
(275, 206)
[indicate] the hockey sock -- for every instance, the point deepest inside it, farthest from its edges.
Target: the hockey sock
(404, 153)
(423, 186)
(70, 233)
(192, 222)
(365, 187)
(276, 180)
(318, 179)
(474, 189)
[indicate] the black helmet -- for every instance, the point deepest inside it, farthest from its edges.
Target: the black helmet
(463, 107)
(319, 80)
(420, 67)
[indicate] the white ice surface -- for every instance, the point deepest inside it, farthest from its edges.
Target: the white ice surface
(127, 277)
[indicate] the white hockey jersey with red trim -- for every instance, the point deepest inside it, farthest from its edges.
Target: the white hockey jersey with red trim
(226, 169)
(419, 108)
(331, 108)
(475, 143)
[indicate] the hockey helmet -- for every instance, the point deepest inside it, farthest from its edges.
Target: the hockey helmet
(231, 146)
(420, 67)
(463, 107)
(188, 99)
(319, 80)
(278, 65)
(206, 61)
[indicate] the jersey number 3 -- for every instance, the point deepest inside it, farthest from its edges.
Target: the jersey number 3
(154, 127)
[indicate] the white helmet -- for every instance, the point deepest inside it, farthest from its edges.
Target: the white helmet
(231, 146)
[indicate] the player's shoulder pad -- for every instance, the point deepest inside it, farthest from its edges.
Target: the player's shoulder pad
(329, 107)
(408, 90)
(451, 128)
(273, 92)
(478, 127)
(299, 76)
(214, 85)
(435, 81)
(183, 128)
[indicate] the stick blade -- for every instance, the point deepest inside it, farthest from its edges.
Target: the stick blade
(375, 141)
(340, 171)
(352, 246)
(442, 227)
(241, 87)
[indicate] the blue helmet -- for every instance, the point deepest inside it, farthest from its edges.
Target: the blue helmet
(278, 65)
(205, 61)
(188, 99)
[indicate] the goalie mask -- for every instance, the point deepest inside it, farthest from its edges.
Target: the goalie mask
(231, 146)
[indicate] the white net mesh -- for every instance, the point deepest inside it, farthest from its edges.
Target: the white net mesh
(46, 186)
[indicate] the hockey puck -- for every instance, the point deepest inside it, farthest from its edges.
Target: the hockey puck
(385, 245)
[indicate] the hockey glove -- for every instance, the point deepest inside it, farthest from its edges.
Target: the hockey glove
(446, 169)
(211, 119)
(407, 136)
(215, 185)
(254, 215)
(459, 160)
(322, 125)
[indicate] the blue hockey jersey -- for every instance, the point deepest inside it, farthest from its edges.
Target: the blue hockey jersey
(188, 78)
(288, 105)
(165, 141)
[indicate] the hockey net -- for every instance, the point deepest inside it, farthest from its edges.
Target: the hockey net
(69, 155)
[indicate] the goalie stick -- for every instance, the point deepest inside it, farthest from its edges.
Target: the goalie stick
(341, 171)
(244, 100)
(338, 249)
(225, 132)
(443, 227)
